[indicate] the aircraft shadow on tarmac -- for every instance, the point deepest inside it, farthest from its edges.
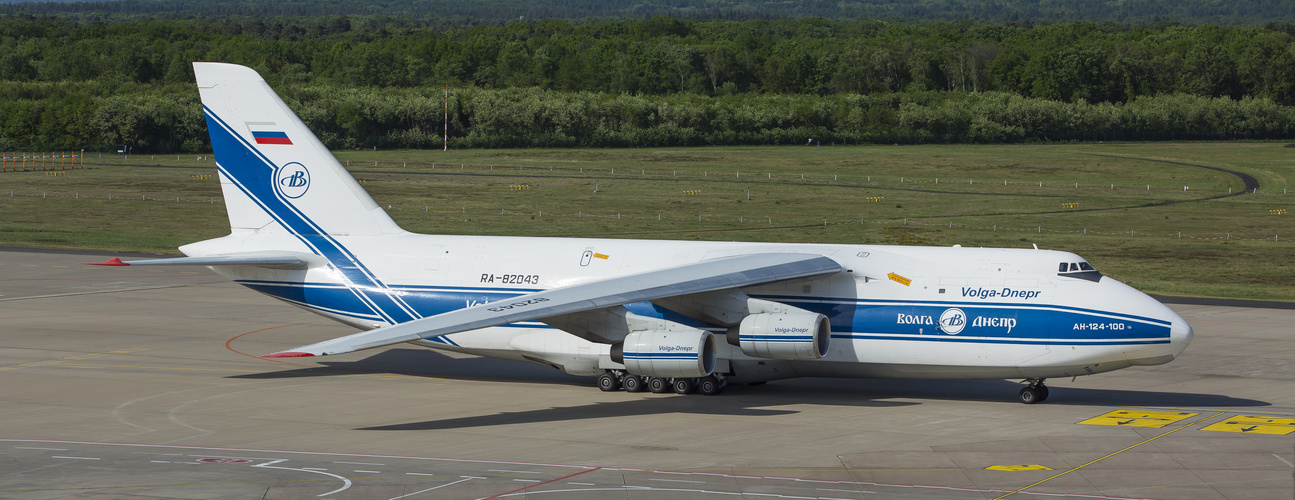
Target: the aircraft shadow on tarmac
(749, 399)
(648, 404)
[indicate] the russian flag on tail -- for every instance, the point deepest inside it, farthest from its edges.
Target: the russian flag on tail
(268, 133)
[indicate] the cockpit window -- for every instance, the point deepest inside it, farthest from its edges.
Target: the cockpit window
(1081, 270)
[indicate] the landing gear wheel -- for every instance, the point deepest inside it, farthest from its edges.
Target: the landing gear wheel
(633, 383)
(685, 385)
(658, 385)
(1035, 393)
(1030, 395)
(608, 382)
(709, 386)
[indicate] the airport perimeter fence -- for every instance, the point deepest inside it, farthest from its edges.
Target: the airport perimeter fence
(707, 224)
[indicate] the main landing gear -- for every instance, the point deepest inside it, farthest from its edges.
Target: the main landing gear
(1036, 392)
(612, 380)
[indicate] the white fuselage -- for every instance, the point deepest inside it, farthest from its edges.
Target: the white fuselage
(901, 312)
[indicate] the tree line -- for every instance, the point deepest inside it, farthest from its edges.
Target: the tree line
(364, 82)
(495, 11)
(168, 118)
(663, 55)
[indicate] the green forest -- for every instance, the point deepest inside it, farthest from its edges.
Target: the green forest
(76, 80)
(444, 12)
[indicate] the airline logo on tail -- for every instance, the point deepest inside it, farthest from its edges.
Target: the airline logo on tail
(293, 180)
(268, 133)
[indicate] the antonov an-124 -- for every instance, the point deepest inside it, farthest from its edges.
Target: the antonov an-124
(680, 316)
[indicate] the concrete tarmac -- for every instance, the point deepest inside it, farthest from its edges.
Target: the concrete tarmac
(123, 382)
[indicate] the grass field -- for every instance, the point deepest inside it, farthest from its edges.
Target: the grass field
(1122, 205)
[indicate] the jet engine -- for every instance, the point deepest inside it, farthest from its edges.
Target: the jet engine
(667, 353)
(795, 334)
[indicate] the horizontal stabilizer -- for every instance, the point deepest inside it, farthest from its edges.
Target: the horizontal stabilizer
(275, 260)
(707, 276)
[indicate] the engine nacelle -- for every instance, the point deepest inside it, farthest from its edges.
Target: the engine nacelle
(783, 335)
(662, 353)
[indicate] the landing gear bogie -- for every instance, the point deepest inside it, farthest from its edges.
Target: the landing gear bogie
(613, 380)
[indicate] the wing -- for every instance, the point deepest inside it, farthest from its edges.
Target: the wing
(711, 275)
(276, 260)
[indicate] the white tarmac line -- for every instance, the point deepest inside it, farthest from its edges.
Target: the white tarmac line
(346, 483)
(434, 487)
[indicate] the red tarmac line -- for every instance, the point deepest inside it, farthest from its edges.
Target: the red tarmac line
(232, 339)
(523, 488)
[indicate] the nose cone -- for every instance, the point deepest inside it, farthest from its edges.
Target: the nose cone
(1118, 297)
(1180, 334)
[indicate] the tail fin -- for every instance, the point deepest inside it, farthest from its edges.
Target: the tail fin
(275, 174)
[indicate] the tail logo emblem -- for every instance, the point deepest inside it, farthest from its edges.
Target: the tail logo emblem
(953, 321)
(293, 180)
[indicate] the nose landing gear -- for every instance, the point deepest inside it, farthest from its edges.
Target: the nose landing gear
(1036, 392)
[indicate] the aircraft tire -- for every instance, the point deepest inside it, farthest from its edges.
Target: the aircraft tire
(658, 385)
(685, 385)
(1029, 395)
(709, 386)
(1043, 393)
(607, 382)
(633, 383)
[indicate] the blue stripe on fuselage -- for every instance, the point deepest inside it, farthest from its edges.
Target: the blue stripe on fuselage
(849, 318)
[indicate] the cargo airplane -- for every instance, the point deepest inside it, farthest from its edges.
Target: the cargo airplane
(663, 316)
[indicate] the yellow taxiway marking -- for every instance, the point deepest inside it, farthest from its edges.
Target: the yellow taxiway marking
(1117, 452)
(1015, 468)
(1139, 418)
(1254, 424)
(1206, 410)
(63, 361)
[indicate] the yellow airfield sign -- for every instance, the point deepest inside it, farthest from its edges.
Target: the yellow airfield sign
(1139, 418)
(1254, 424)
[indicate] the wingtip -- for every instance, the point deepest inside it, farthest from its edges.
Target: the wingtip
(110, 262)
(289, 354)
